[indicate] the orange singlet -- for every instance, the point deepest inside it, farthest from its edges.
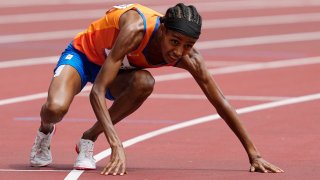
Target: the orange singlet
(97, 41)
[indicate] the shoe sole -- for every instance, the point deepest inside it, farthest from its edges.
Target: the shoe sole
(83, 168)
(40, 165)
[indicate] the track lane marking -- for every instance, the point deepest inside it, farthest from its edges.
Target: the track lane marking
(259, 40)
(53, 60)
(213, 6)
(229, 97)
(211, 44)
(203, 97)
(248, 41)
(67, 34)
(246, 68)
(28, 62)
(213, 23)
(30, 170)
(75, 174)
(185, 75)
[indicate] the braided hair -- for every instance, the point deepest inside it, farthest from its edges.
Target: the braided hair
(184, 19)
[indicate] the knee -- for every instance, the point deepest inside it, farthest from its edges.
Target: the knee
(143, 82)
(53, 111)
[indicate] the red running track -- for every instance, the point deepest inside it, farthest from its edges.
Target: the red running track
(286, 135)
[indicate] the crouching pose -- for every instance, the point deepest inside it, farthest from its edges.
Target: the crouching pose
(112, 54)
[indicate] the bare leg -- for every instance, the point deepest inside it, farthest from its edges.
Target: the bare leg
(62, 90)
(130, 90)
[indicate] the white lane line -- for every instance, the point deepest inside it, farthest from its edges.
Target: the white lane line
(267, 65)
(53, 60)
(214, 23)
(246, 68)
(22, 99)
(229, 97)
(212, 6)
(51, 16)
(30, 97)
(29, 62)
(200, 45)
(262, 20)
(203, 97)
(185, 75)
(41, 36)
(29, 170)
(255, 98)
(76, 174)
(225, 43)
(259, 40)
(24, 3)
(207, 24)
(216, 63)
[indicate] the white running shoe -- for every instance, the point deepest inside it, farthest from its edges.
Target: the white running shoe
(40, 153)
(85, 160)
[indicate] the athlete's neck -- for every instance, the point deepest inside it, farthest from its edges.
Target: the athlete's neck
(154, 54)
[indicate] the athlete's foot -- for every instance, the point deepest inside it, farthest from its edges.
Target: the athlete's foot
(40, 152)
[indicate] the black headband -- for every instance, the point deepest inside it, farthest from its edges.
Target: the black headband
(183, 26)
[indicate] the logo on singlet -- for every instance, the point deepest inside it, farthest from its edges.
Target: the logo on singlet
(69, 56)
(122, 6)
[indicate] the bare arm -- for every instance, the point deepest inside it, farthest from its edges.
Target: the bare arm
(129, 37)
(194, 63)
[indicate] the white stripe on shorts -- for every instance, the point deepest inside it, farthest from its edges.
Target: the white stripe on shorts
(58, 70)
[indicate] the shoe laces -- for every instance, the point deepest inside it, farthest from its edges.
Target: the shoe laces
(43, 143)
(87, 149)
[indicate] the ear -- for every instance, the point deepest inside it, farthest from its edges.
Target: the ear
(163, 29)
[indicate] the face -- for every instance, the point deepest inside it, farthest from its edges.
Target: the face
(175, 45)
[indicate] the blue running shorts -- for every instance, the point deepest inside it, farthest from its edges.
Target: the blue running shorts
(87, 70)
